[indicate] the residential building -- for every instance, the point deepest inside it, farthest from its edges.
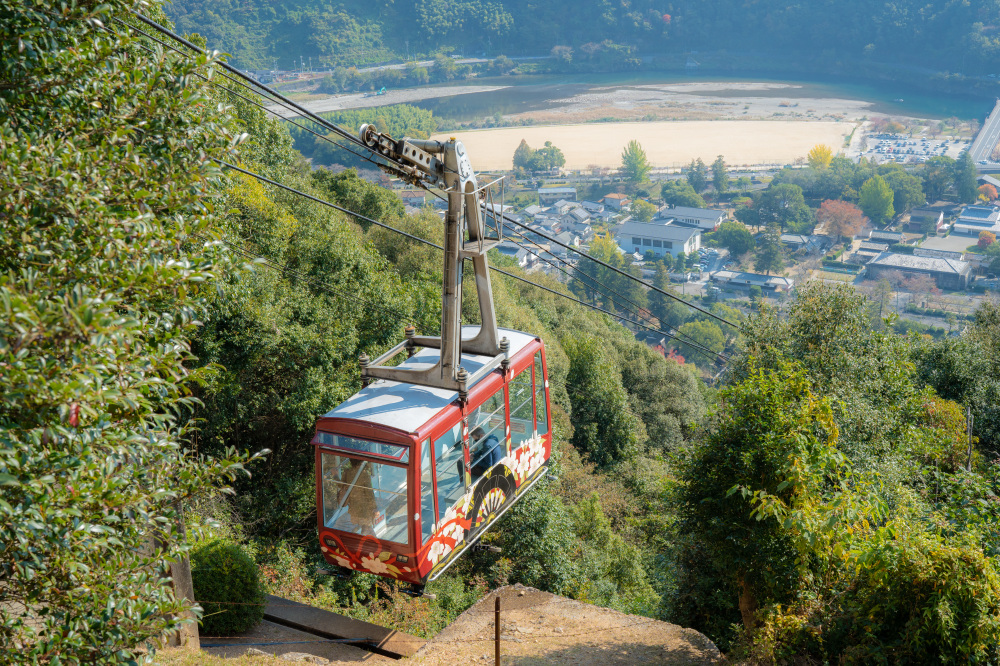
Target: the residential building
(889, 237)
(615, 201)
(415, 198)
(706, 219)
(975, 219)
(947, 273)
(738, 280)
(550, 195)
(580, 214)
(532, 210)
(592, 207)
(658, 237)
(868, 250)
(926, 219)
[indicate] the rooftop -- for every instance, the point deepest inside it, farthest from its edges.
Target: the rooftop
(406, 407)
(984, 213)
(660, 231)
(913, 262)
(702, 213)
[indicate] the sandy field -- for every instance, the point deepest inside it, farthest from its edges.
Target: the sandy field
(667, 144)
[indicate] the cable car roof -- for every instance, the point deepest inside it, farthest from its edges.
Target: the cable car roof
(406, 407)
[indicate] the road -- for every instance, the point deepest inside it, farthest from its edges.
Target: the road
(987, 138)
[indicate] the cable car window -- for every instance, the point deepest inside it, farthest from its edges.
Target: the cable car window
(488, 434)
(521, 418)
(394, 451)
(541, 416)
(427, 515)
(365, 498)
(450, 468)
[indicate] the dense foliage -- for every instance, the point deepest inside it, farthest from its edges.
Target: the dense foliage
(228, 587)
(107, 264)
(944, 34)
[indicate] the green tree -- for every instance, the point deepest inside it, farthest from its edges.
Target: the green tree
(704, 333)
(523, 156)
(358, 195)
(108, 193)
(770, 254)
(753, 490)
(635, 167)
(876, 200)
(785, 206)
(643, 211)
(720, 175)
(697, 175)
(735, 237)
(548, 157)
(907, 189)
(680, 193)
(670, 312)
(965, 178)
(604, 428)
(938, 175)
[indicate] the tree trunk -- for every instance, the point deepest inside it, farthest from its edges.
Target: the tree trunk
(748, 605)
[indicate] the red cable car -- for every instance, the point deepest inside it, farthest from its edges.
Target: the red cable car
(415, 467)
(409, 477)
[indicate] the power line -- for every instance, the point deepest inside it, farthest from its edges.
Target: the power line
(252, 90)
(350, 137)
(435, 245)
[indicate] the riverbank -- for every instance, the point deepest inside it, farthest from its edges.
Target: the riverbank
(667, 144)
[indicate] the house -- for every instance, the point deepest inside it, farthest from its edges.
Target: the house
(868, 250)
(532, 210)
(658, 237)
(889, 237)
(580, 214)
(947, 273)
(581, 229)
(550, 195)
(518, 253)
(592, 207)
(975, 219)
(615, 201)
(925, 219)
(562, 207)
(738, 280)
(415, 198)
(705, 219)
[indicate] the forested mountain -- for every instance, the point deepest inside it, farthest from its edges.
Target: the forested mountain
(940, 34)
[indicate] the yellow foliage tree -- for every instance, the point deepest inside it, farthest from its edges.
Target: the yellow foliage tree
(820, 156)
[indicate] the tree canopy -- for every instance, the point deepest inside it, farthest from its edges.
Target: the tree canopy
(635, 167)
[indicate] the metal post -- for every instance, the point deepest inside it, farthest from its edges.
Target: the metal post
(496, 628)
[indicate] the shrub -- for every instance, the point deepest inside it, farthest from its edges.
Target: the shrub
(227, 586)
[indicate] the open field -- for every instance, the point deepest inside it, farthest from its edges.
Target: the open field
(667, 144)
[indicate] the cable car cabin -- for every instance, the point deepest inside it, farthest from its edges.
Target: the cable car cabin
(408, 477)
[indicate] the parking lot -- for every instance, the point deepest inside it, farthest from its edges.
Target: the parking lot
(882, 148)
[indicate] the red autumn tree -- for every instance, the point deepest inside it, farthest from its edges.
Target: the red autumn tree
(840, 218)
(988, 191)
(986, 238)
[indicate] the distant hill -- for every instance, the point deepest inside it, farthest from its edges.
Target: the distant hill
(952, 35)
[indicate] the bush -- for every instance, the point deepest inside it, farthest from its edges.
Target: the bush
(227, 586)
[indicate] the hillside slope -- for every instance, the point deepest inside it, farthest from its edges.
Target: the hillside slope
(944, 34)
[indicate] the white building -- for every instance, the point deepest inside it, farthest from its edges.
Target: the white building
(975, 219)
(705, 219)
(658, 237)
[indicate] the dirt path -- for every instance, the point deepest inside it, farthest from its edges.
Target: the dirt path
(541, 628)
